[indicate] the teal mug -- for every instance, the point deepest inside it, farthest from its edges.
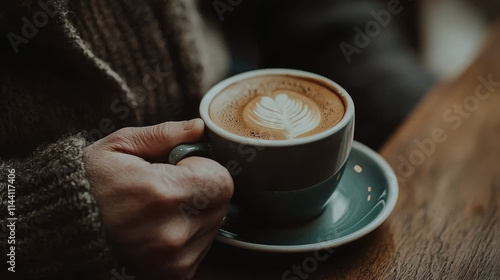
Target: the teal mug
(277, 181)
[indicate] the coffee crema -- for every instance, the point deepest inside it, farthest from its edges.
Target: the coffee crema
(276, 107)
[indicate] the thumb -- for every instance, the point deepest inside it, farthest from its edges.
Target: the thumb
(154, 143)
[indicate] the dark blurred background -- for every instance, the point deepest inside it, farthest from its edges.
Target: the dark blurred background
(420, 43)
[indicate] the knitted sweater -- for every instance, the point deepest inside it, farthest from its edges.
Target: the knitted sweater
(72, 72)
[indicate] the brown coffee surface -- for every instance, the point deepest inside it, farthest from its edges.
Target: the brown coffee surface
(276, 107)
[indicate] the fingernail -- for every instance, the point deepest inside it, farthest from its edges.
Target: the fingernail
(190, 124)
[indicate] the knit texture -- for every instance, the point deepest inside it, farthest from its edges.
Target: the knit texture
(58, 229)
(93, 66)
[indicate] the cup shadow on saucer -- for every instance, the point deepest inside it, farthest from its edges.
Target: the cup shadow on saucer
(366, 195)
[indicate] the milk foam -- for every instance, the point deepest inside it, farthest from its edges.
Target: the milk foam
(276, 107)
(282, 112)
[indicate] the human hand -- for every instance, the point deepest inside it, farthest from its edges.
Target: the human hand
(143, 203)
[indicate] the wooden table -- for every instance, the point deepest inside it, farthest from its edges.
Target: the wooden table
(446, 224)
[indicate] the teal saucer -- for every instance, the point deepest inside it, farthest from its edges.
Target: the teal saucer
(364, 198)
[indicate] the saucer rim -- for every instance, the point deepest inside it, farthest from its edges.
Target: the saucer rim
(392, 197)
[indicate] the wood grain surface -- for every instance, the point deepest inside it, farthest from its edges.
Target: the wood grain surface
(446, 224)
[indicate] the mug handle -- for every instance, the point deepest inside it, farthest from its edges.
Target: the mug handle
(199, 149)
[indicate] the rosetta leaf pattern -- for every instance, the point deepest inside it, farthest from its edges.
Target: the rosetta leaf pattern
(285, 113)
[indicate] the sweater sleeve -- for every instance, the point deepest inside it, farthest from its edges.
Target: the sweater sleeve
(49, 217)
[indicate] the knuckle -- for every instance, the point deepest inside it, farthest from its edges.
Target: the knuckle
(174, 239)
(222, 183)
(154, 195)
(209, 183)
(157, 192)
(172, 186)
(159, 201)
(214, 181)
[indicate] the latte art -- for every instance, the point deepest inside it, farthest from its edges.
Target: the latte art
(283, 112)
(276, 107)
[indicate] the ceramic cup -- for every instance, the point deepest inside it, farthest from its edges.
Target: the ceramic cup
(279, 181)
